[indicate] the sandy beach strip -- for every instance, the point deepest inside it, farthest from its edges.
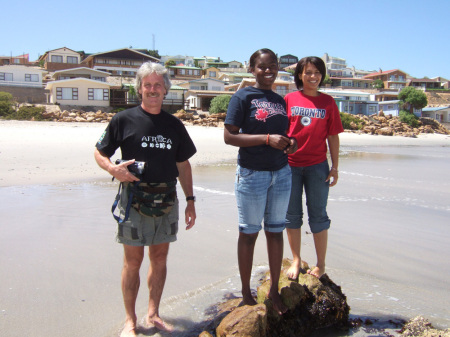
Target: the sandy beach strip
(49, 152)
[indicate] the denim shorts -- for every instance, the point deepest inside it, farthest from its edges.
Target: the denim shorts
(312, 179)
(262, 195)
(141, 230)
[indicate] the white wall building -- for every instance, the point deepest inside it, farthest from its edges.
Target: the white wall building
(23, 76)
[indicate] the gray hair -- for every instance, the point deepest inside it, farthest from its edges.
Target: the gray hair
(148, 68)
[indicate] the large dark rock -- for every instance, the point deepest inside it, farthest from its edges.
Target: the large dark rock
(312, 304)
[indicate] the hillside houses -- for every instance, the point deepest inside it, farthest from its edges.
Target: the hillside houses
(74, 78)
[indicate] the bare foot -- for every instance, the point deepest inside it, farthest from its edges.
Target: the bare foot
(129, 330)
(278, 304)
(248, 300)
(159, 324)
(317, 272)
(295, 268)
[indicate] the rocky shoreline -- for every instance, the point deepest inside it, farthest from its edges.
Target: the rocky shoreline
(384, 125)
(312, 304)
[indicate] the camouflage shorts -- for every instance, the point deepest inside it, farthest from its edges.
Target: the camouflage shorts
(142, 230)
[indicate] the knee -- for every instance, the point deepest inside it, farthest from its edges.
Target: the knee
(248, 239)
(158, 255)
(274, 236)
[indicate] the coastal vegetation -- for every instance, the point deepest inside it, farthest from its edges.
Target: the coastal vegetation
(6, 103)
(379, 84)
(8, 109)
(219, 104)
(410, 99)
(351, 122)
(408, 118)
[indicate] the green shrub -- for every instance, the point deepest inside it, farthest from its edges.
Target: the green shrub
(5, 97)
(5, 109)
(219, 104)
(347, 119)
(116, 110)
(28, 113)
(408, 118)
(5, 104)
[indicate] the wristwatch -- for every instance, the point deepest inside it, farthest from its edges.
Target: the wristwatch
(191, 197)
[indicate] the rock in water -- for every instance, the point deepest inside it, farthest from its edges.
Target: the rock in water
(244, 321)
(312, 304)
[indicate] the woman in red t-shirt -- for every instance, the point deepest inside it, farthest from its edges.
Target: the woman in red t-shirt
(314, 121)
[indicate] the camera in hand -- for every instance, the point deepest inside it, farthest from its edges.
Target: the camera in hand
(137, 168)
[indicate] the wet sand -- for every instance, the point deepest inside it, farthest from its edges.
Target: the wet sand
(60, 267)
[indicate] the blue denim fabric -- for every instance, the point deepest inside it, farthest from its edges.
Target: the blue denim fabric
(262, 195)
(312, 179)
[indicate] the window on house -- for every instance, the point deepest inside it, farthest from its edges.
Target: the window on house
(17, 61)
(57, 58)
(101, 79)
(401, 78)
(171, 95)
(197, 72)
(98, 94)
(31, 78)
(195, 87)
(182, 71)
(392, 78)
(212, 74)
(190, 72)
(6, 76)
(72, 59)
(67, 93)
(216, 88)
(372, 108)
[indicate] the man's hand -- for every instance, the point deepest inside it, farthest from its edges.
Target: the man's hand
(121, 173)
(189, 214)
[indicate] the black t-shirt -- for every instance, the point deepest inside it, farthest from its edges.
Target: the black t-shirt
(258, 111)
(160, 140)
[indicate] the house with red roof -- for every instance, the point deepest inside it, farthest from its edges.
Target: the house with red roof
(392, 79)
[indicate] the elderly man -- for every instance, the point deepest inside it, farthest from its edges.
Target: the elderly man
(156, 142)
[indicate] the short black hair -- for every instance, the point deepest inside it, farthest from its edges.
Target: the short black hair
(318, 63)
(258, 53)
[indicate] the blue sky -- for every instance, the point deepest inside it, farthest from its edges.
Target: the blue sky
(410, 35)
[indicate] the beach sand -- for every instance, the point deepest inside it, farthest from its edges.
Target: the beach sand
(60, 266)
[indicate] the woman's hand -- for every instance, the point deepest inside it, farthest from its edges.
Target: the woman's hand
(292, 147)
(278, 142)
(333, 174)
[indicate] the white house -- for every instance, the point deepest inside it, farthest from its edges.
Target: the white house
(61, 58)
(23, 76)
(204, 84)
(354, 102)
(82, 72)
(202, 91)
(187, 61)
(79, 91)
(389, 107)
(441, 114)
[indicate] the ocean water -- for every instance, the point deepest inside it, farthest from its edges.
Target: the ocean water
(388, 249)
